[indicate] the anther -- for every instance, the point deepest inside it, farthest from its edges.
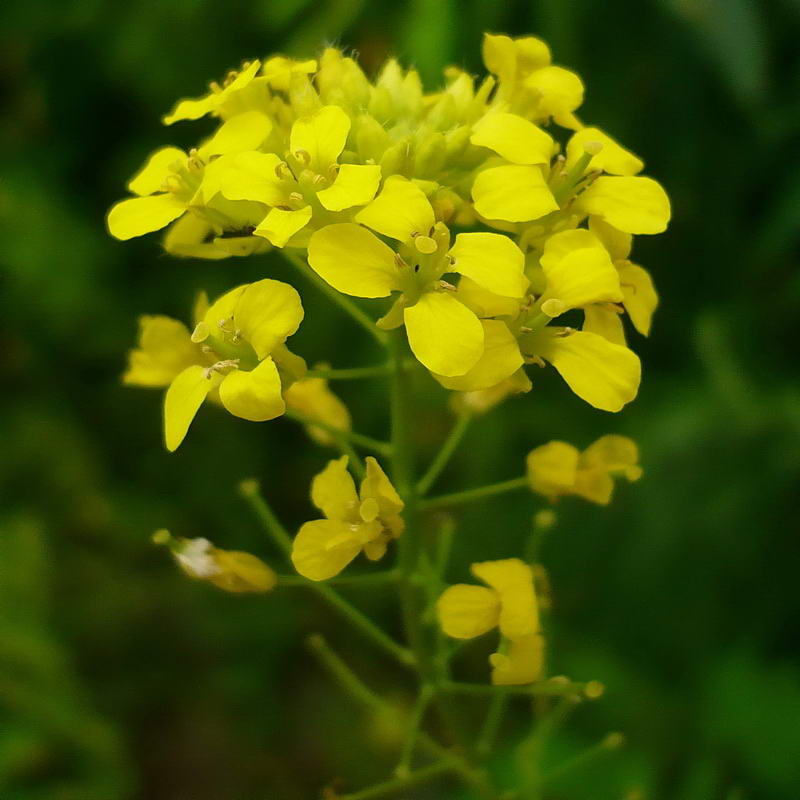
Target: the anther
(303, 155)
(448, 287)
(228, 363)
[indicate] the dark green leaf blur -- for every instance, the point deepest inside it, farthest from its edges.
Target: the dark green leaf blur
(120, 679)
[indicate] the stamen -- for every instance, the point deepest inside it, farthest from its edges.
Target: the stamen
(303, 155)
(228, 363)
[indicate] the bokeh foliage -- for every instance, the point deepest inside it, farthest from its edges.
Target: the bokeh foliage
(120, 679)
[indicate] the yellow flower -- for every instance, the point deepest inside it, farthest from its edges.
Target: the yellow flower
(354, 521)
(521, 664)
(309, 181)
(639, 296)
(466, 611)
(171, 183)
(235, 81)
(528, 83)
(313, 397)
(558, 468)
(231, 570)
(443, 333)
(235, 354)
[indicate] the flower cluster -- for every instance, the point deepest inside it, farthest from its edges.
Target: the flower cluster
(497, 228)
(375, 179)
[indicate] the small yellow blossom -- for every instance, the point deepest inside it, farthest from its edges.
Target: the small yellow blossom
(232, 570)
(236, 355)
(509, 603)
(558, 468)
(528, 83)
(313, 398)
(443, 333)
(366, 520)
(309, 180)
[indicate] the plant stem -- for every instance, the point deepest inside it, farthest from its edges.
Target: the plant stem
(491, 725)
(341, 300)
(371, 700)
(360, 439)
(251, 493)
(400, 784)
(550, 688)
(368, 579)
(341, 438)
(609, 743)
(350, 374)
(445, 453)
(417, 716)
(469, 495)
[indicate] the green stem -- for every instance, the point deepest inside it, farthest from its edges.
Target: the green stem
(551, 688)
(401, 784)
(341, 438)
(341, 300)
(371, 700)
(445, 453)
(368, 579)
(491, 725)
(413, 597)
(470, 495)
(351, 374)
(609, 743)
(360, 439)
(415, 724)
(251, 493)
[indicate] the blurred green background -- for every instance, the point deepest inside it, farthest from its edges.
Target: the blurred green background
(121, 679)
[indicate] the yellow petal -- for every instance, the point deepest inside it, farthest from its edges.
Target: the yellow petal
(639, 295)
(150, 177)
(512, 193)
(278, 71)
(605, 321)
(355, 185)
(353, 260)
(182, 401)
(267, 313)
(613, 453)
(242, 573)
(188, 237)
(245, 131)
(139, 215)
(514, 138)
(322, 136)
(612, 158)
(312, 397)
(444, 334)
(616, 242)
(313, 554)
(500, 56)
(279, 225)
(491, 260)
(522, 664)
(594, 485)
(512, 579)
(220, 313)
(633, 205)
(484, 303)
(165, 349)
(199, 107)
(553, 469)
(400, 210)
(500, 360)
(377, 486)
(560, 92)
(467, 611)
(253, 395)
(579, 271)
(603, 374)
(245, 176)
(333, 490)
